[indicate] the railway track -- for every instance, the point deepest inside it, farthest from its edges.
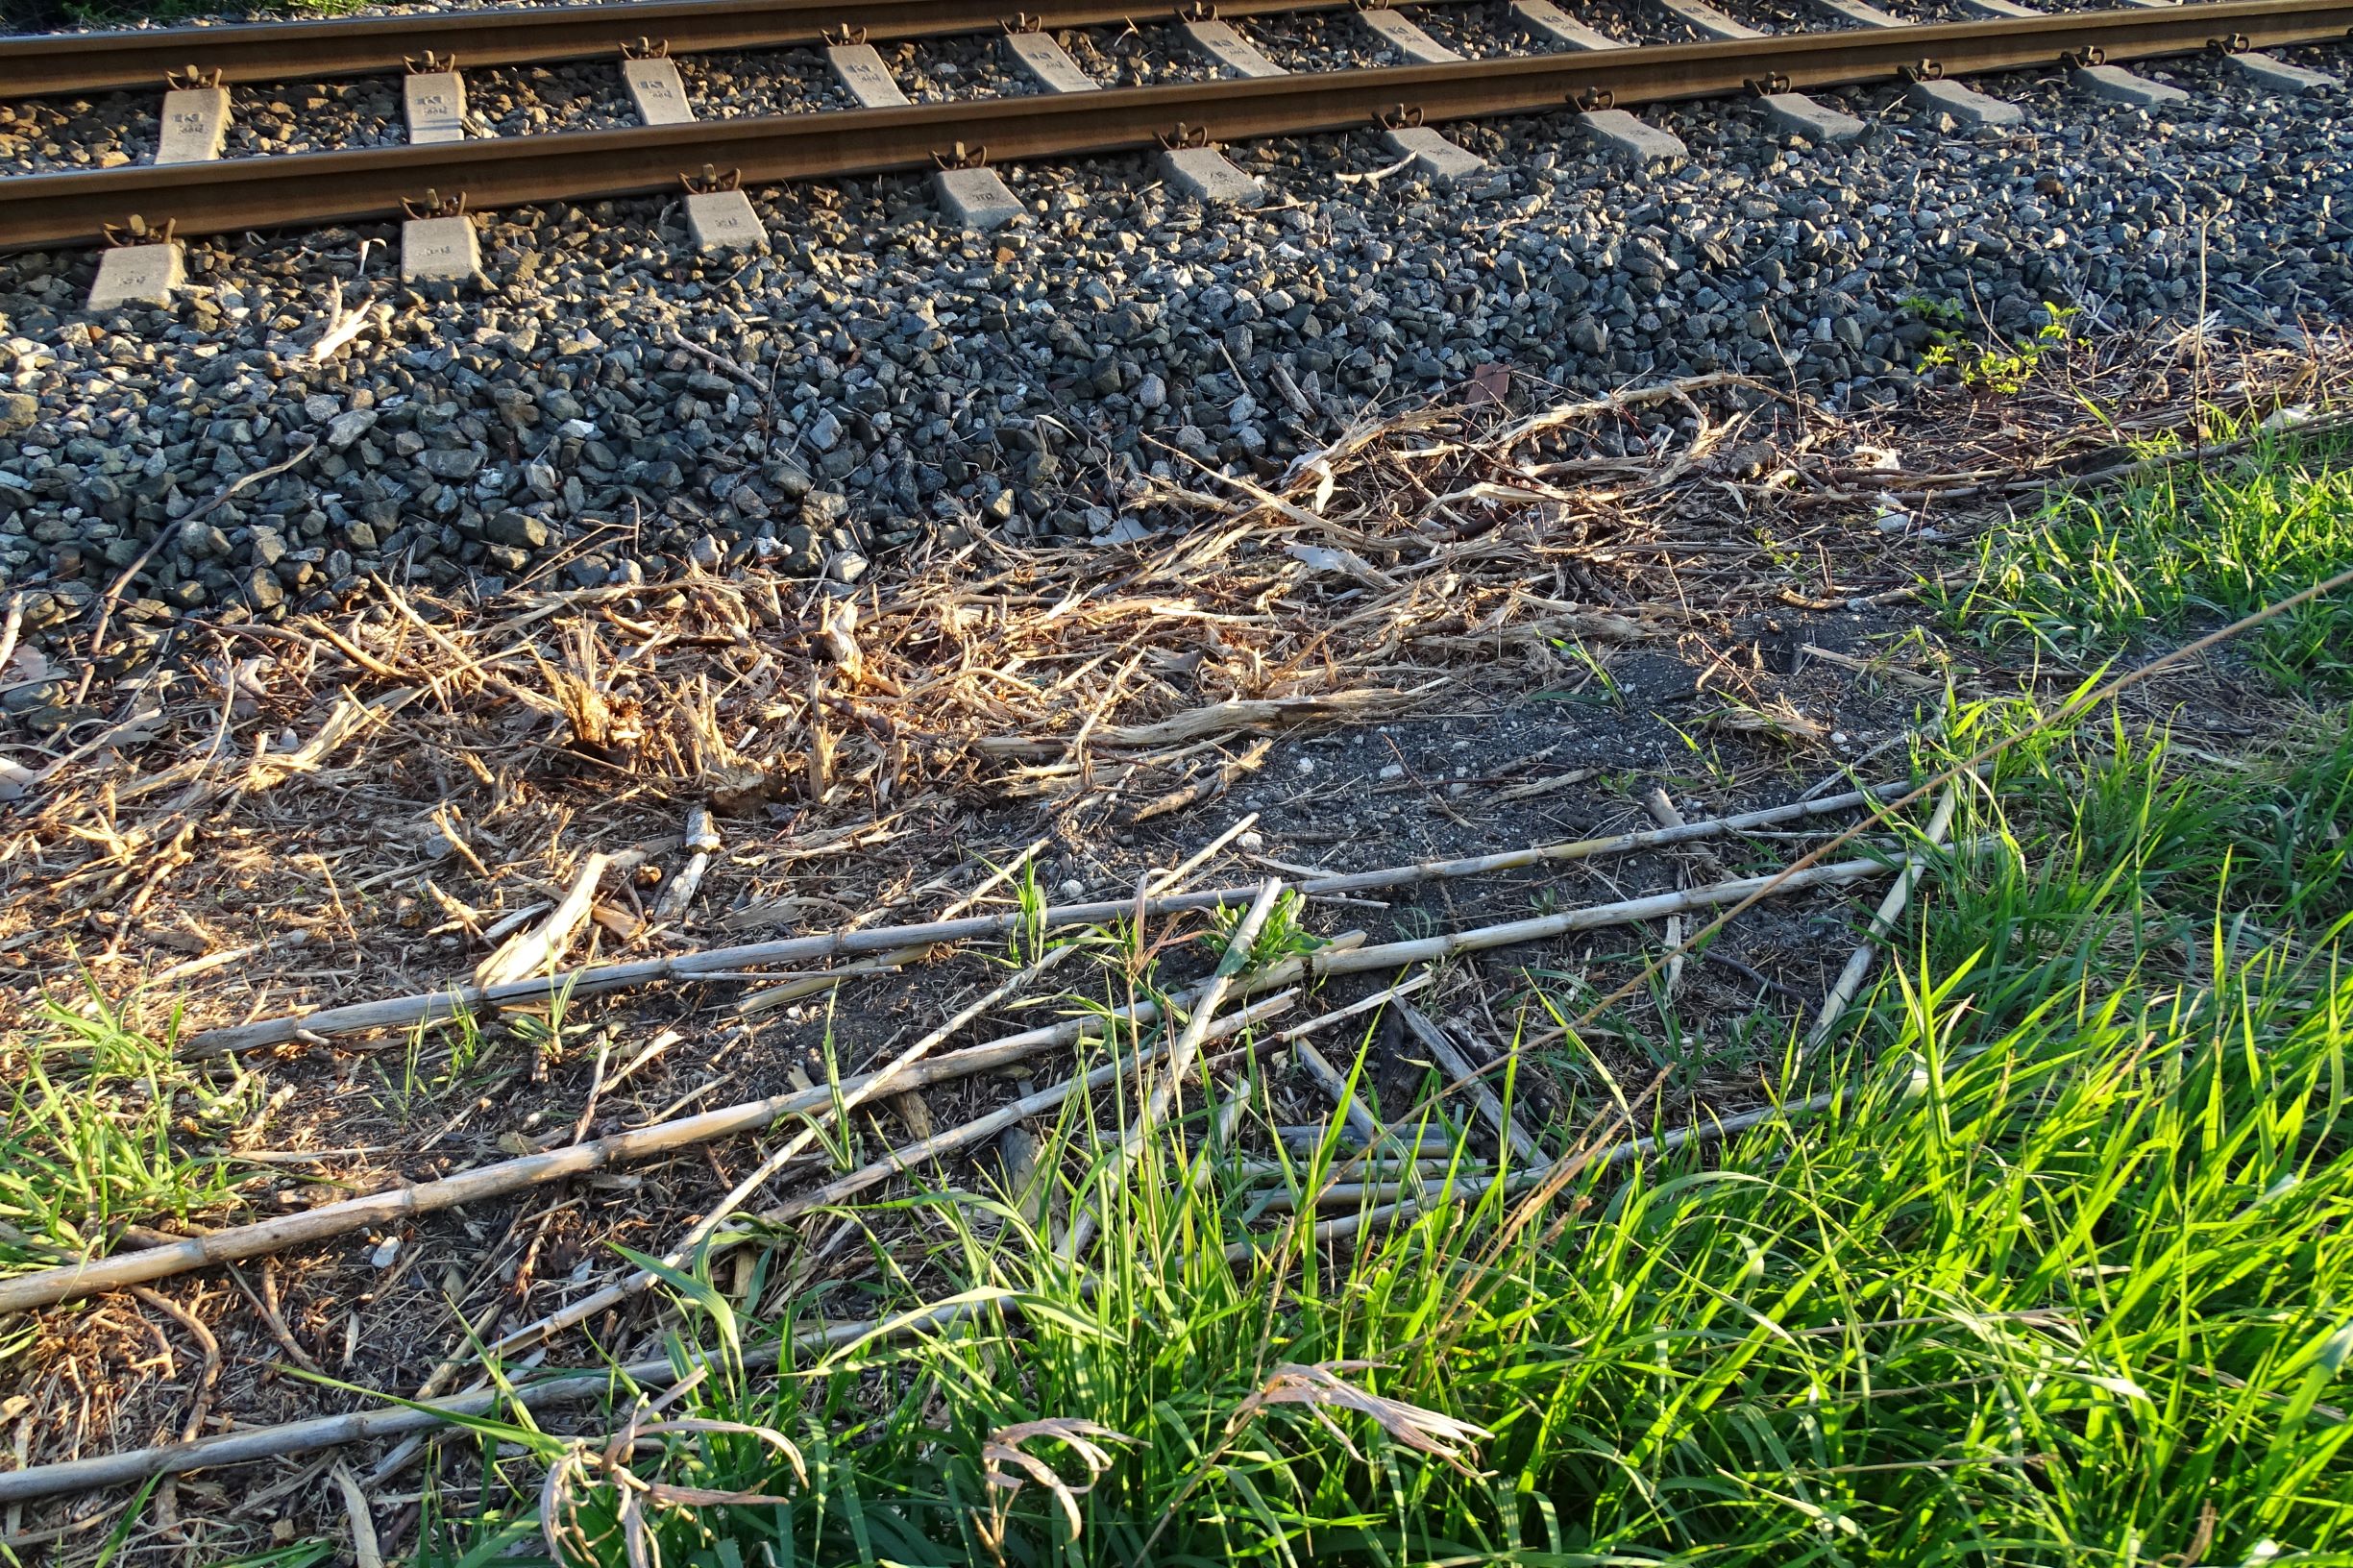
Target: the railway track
(191, 189)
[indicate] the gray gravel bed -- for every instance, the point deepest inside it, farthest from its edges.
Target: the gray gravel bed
(1482, 31)
(742, 84)
(1317, 41)
(516, 101)
(1139, 57)
(316, 116)
(1783, 17)
(942, 70)
(97, 133)
(1928, 10)
(929, 382)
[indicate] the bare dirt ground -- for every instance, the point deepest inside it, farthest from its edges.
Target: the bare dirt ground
(1475, 627)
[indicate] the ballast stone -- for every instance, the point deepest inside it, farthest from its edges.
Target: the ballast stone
(976, 197)
(1795, 111)
(2120, 86)
(440, 249)
(137, 275)
(1204, 174)
(1435, 157)
(1964, 104)
(724, 220)
(1633, 138)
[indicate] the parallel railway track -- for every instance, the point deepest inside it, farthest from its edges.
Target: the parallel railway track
(75, 207)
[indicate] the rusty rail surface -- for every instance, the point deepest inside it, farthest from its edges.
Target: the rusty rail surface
(73, 207)
(46, 64)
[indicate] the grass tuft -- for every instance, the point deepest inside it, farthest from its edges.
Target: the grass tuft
(100, 1120)
(2190, 544)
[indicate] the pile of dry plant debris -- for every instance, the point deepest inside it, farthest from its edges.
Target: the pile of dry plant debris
(696, 861)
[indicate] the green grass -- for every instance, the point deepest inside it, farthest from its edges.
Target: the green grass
(2189, 545)
(102, 1130)
(2065, 1277)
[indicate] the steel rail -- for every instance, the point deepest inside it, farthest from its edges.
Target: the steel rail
(46, 64)
(310, 188)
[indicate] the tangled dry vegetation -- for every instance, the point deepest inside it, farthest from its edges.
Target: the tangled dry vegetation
(273, 818)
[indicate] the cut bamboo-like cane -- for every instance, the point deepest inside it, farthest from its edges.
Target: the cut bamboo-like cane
(1626, 912)
(809, 985)
(1429, 1182)
(1662, 809)
(702, 842)
(1155, 881)
(403, 1012)
(1165, 1086)
(1459, 1069)
(1315, 1136)
(1841, 992)
(899, 1161)
(543, 944)
(1335, 1084)
(27, 1292)
(1382, 1165)
(137, 1464)
(1573, 849)
(891, 1079)
(1536, 1176)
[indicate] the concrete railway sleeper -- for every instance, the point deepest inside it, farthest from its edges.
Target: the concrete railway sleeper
(442, 172)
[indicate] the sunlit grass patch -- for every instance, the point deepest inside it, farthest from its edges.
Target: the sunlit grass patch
(2189, 543)
(104, 1129)
(2064, 1276)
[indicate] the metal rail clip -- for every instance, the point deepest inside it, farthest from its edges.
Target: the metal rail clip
(1021, 21)
(193, 78)
(1770, 84)
(711, 183)
(1185, 136)
(435, 206)
(1593, 100)
(646, 49)
(2085, 58)
(1370, 5)
(135, 231)
(845, 37)
(1402, 117)
(959, 158)
(1196, 11)
(2237, 44)
(1923, 70)
(429, 64)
